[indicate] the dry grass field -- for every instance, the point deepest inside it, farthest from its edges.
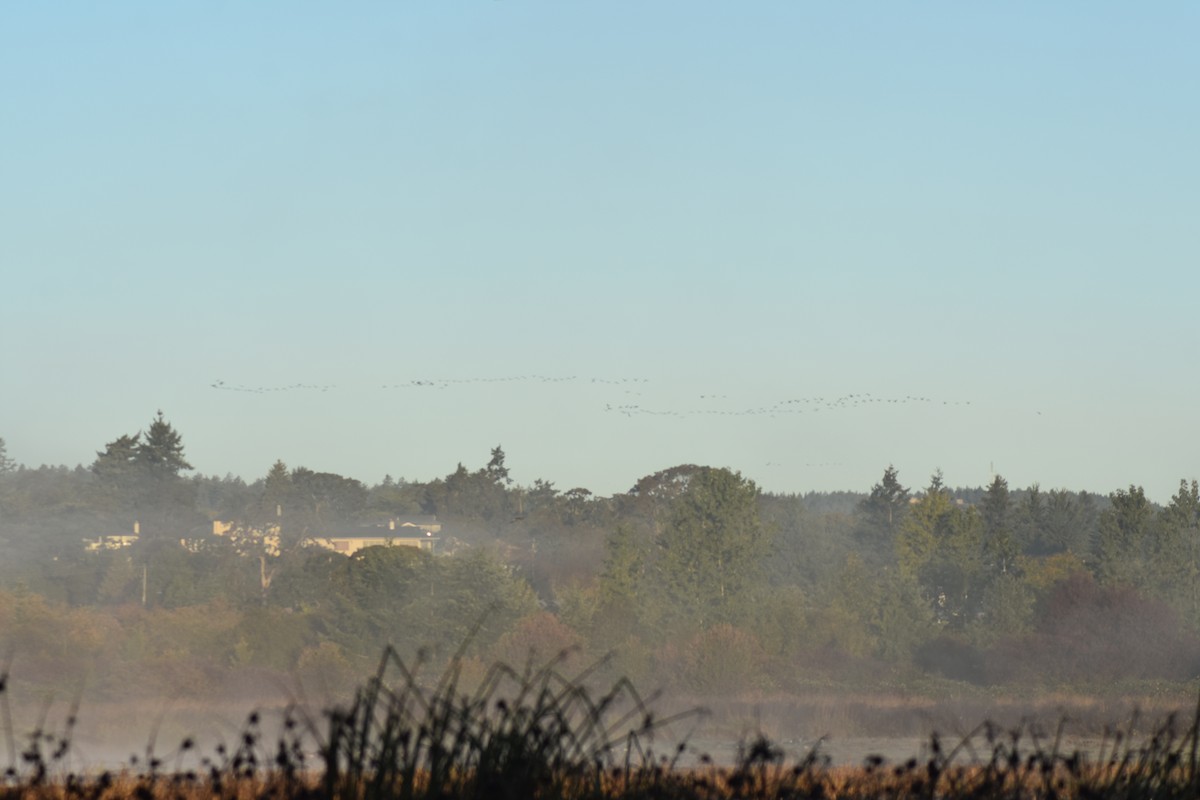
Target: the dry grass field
(537, 733)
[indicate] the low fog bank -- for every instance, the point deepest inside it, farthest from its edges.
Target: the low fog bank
(844, 726)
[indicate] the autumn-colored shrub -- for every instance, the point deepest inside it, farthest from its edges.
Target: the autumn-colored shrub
(540, 635)
(1091, 633)
(723, 660)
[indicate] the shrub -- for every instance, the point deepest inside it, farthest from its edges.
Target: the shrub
(951, 658)
(1086, 632)
(723, 660)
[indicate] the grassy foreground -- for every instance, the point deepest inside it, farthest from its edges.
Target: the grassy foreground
(536, 733)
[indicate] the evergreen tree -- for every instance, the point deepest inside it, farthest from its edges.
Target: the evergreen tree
(940, 546)
(118, 460)
(481, 495)
(495, 468)
(881, 514)
(161, 450)
(996, 511)
(277, 494)
(138, 476)
(1031, 522)
(119, 476)
(1177, 555)
(1068, 523)
(624, 567)
(7, 465)
(1124, 529)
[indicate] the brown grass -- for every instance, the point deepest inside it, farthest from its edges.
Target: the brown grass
(537, 734)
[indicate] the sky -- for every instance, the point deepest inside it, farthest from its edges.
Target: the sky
(800, 240)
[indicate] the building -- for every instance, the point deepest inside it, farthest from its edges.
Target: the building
(415, 532)
(113, 541)
(349, 545)
(264, 539)
(418, 532)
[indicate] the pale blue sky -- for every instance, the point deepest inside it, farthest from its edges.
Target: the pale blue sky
(995, 205)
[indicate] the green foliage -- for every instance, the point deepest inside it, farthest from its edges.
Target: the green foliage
(138, 478)
(872, 613)
(712, 548)
(319, 500)
(473, 596)
(625, 562)
(308, 578)
(805, 545)
(382, 578)
(1124, 531)
(1055, 522)
(650, 500)
(1176, 552)
(220, 498)
(495, 468)
(999, 540)
(482, 494)
(118, 473)
(392, 499)
(160, 451)
(940, 546)
(779, 621)
(1068, 523)
(689, 550)
(1008, 605)
(276, 495)
(269, 637)
(881, 515)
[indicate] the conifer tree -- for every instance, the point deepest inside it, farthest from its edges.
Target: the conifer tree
(161, 449)
(6, 464)
(999, 545)
(881, 514)
(1124, 528)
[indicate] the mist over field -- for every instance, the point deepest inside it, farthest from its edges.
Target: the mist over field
(144, 591)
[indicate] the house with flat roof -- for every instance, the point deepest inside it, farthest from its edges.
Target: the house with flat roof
(415, 532)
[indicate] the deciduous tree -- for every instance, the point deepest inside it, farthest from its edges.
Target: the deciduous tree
(712, 546)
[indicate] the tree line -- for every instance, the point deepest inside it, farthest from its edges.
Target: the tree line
(693, 573)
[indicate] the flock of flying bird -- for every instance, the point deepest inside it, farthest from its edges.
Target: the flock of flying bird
(294, 387)
(707, 405)
(798, 405)
(428, 383)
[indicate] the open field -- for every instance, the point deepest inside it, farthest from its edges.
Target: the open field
(535, 733)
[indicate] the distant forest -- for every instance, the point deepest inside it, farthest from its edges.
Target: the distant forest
(693, 577)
